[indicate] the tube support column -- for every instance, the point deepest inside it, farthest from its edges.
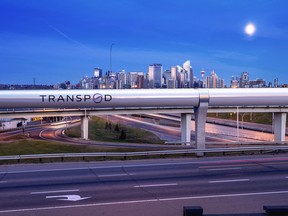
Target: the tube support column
(279, 126)
(200, 114)
(84, 127)
(186, 128)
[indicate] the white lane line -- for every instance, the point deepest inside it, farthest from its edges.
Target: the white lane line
(155, 185)
(230, 180)
(224, 169)
(46, 170)
(2, 182)
(40, 134)
(117, 175)
(145, 201)
(49, 192)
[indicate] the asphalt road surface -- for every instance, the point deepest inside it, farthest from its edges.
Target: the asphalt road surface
(145, 187)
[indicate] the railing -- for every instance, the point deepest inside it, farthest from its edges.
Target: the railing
(261, 149)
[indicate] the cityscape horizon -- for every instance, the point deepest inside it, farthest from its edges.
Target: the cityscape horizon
(174, 77)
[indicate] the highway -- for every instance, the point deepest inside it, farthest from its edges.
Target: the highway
(215, 133)
(145, 187)
(218, 133)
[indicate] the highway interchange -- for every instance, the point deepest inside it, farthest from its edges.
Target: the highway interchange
(148, 187)
(241, 184)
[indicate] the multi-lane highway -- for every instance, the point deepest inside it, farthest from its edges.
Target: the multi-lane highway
(215, 132)
(169, 132)
(154, 187)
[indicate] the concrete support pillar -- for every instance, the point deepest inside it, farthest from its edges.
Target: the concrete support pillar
(186, 128)
(84, 127)
(279, 126)
(200, 114)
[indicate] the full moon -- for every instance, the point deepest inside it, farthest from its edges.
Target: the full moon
(250, 29)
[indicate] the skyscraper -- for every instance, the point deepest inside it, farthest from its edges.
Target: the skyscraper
(189, 73)
(155, 75)
(213, 81)
(121, 78)
(97, 72)
(244, 80)
(174, 72)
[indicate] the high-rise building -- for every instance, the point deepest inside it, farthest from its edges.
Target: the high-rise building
(234, 82)
(244, 80)
(97, 72)
(171, 83)
(121, 78)
(276, 83)
(134, 81)
(189, 73)
(155, 75)
(174, 72)
(141, 81)
(213, 81)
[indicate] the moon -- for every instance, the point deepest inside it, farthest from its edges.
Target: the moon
(250, 29)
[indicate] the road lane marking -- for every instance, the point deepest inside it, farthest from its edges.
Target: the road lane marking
(252, 164)
(223, 169)
(59, 191)
(2, 182)
(73, 197)
(116, 175)
(155, 185)
(145, 201)
(227, 181)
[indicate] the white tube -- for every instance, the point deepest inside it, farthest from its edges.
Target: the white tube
(122, 98)
(99, 98)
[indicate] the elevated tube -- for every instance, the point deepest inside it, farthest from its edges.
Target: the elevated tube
(99, 98)
(248, 97)
(123, 98)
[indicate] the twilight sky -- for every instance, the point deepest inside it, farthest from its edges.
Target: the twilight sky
(57, 40)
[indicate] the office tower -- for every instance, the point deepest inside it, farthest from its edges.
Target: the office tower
(155, 75)
(121, 78)
(213, 81)
(276, 83)
(189, 74)
(140, 81)
(167, 76)
(171, 83)
(244, 80)
(174, 72)
(134, 80)
(234, 82)
(97, 72)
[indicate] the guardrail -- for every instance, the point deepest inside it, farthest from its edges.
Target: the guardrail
(261, 149)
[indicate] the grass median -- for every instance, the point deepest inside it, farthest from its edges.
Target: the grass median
(103, 130)
(99, 130)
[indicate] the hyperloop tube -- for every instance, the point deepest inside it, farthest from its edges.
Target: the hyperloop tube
(248, 97)
(122, 98)
(111, 98)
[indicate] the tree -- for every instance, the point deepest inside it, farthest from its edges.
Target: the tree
(117, 127)
(122, 135)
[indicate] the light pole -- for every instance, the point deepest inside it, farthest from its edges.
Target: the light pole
(111, 57)
(237, 123)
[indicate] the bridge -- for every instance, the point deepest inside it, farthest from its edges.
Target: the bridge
(199, 102)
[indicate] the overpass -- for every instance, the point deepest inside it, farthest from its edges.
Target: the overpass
(199, 102)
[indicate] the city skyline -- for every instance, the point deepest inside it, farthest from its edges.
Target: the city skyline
(55, 41)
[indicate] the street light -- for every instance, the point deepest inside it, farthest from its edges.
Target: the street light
(237, 123)
(111, 57)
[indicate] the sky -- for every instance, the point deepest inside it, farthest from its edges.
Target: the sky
(55, 41)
